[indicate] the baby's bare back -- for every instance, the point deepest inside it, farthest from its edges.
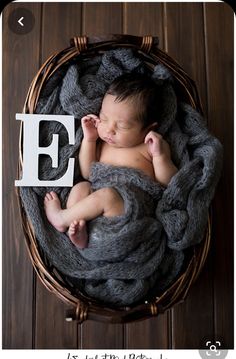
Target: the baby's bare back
(135, 157)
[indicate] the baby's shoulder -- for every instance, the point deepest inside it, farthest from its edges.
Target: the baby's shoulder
(143, 149)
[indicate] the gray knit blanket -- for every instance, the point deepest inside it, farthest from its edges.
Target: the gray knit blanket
(140, 253)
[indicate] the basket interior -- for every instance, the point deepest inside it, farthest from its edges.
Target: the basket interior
(51, 277)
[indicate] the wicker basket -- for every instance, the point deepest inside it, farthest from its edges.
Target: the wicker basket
(82, 307)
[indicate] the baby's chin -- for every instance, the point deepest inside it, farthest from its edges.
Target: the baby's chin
(115, 145)
(123, 145)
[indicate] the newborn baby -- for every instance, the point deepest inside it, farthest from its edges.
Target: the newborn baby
(122, 135)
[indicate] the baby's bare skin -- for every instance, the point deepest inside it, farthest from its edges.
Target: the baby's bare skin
(117, 138)
(133, 157)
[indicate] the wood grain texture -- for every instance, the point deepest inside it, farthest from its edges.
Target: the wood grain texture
(102, 18)
(60, 23)
(151, 22)
(184, 39)
(185, 42)
(200, 37)
(219, 37)
(18, 286)
(52, 331)
(149, 334)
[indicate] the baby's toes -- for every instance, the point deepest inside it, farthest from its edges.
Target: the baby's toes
(47, 197)
(82, 222)
(73, 227)
(71, 231)
(75, 224)
(53, 195)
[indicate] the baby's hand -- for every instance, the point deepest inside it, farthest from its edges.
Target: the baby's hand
(157, 146)
(89, 125)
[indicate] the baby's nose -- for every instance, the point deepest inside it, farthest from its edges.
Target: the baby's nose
(111, 129)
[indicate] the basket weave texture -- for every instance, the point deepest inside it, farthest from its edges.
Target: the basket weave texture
(84, 307)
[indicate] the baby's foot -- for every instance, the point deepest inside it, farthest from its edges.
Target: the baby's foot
(78, 234)
(52, 206)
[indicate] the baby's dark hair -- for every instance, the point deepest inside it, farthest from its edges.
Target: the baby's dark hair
(142, 91)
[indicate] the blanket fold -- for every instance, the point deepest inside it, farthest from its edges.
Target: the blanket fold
(143, 250)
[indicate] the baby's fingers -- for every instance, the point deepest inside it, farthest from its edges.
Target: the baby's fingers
(96, 122)
(149, 138)
(89, 118)
(91, 115)
(153, 137)
(85, 120)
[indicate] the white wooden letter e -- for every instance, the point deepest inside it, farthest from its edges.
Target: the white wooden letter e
(31, 150)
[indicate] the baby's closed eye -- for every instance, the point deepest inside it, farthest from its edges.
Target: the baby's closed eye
(123, 126)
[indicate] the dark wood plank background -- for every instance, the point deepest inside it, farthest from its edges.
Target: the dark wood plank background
(200, 37)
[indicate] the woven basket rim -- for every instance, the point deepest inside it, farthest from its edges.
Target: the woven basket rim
(84, 307)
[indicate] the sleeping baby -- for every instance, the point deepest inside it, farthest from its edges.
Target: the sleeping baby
(122, 135)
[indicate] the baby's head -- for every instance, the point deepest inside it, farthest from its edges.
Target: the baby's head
(130, 109)
(141, 92)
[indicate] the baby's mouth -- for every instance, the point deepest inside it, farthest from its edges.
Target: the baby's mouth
(109, 140)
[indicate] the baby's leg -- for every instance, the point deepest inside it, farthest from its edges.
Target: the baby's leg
(105, 201)
(77, 231)
(77, 193)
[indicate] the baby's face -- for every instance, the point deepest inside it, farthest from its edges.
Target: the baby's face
(119, 126)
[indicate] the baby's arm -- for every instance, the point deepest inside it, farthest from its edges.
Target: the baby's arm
(159, 149)
(87, 153)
